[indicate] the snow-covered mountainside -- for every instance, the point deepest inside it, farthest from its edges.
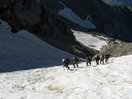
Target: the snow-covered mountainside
(35, 71)
(119, 2)
(23, 50)
(109, 81)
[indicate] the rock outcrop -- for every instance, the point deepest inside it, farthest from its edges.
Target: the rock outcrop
(116, 49)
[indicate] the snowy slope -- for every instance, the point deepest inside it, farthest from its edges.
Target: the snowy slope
(69, 14)
(89, 40)
(109, 81)
(119, 2)
(23, 50)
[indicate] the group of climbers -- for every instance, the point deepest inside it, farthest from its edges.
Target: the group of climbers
(102, 59)
(99, 60)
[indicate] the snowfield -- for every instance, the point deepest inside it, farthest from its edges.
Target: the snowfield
(32, 69)
(109, 81)
(89, 40)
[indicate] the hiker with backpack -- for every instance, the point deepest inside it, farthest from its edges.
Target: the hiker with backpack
(66, 63)
(88, 61)
(75, 62)
(102, 59)
(97, 59)
(106, 57)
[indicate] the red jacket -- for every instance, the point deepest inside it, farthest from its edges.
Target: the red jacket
(106, 56)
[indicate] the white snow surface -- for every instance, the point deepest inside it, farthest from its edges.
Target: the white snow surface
(69, 14)
(109, 81)
(89, 40)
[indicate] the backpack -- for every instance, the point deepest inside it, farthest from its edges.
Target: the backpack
(76, 60)
(67, 61)
(86, 57)
(88, 60)
(101, 58)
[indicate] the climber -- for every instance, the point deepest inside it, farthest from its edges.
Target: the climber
(66, 63)
(88, 60)
(106, 57)
(102, 59)
(97, 59)
(75, 61)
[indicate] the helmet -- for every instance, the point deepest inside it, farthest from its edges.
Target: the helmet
(63, 60)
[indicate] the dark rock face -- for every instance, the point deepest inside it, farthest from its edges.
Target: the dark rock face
(30, 15)
(115, 21)
(116, 49)
(26, 14)
(53, 5)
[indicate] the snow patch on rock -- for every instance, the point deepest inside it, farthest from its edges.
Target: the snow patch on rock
(69, 14)
(95, 42)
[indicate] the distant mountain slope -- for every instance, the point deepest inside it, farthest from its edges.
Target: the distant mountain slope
(115, 21)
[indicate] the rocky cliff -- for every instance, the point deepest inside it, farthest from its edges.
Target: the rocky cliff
(30, 15)
(115, 21)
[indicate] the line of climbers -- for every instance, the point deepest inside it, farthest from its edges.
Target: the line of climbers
(99, 59)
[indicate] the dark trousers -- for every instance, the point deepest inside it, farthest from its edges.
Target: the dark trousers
(88, 62)
(97, 62)
(66, 65)
(75, 64)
